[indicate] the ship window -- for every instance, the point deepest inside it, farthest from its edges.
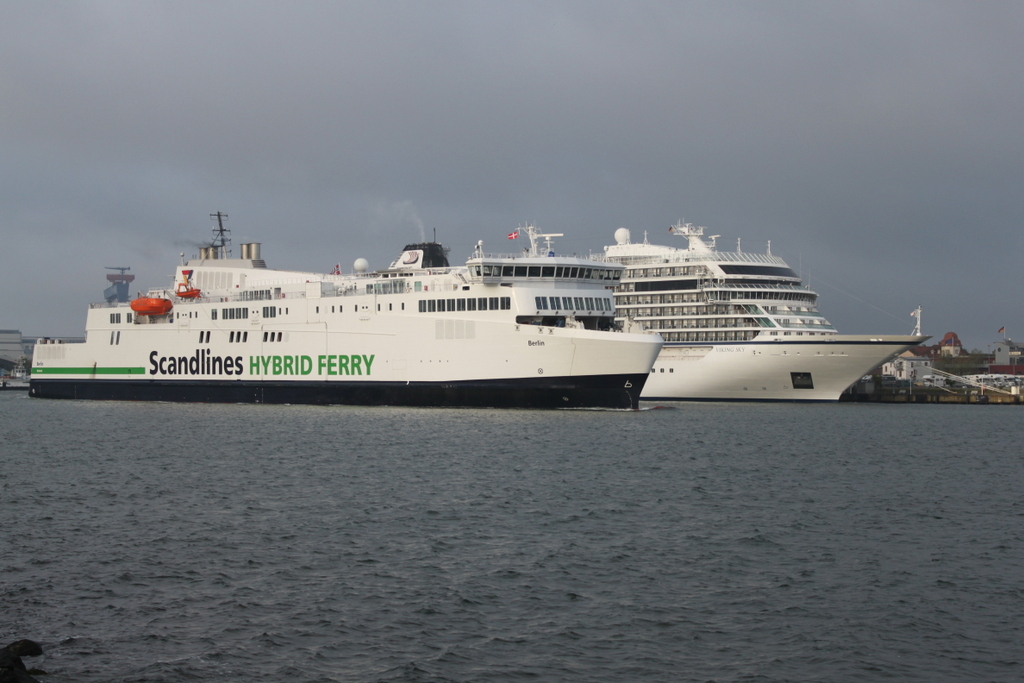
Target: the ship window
(556, 303)
(423, 306)
(579, 302)
(506, 271)
(558, 271)
(493, 303)
(520, 271)
(213, 314)
(590, 303)
(461, 304)
(574, 272)
(440, 305)
(547, 271)
(431, 306)
(417, 286)
(506, 303)
(264, 336)
(451, 304)
(231, 337)
(534, 271)
(470, 304)
(481, 304)
(542, 303)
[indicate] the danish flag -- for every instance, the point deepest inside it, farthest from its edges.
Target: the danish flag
(513, 235)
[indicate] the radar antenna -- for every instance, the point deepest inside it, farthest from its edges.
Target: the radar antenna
(531, 231)
(118, 290)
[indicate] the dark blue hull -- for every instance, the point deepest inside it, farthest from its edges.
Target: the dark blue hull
(601, 391)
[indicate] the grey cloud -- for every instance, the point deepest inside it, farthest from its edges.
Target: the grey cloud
(876, 143)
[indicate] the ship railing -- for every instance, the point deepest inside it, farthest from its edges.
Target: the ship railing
(525, 254)
(733, 256)
(731, 286)
(684, 256)
(109, 304)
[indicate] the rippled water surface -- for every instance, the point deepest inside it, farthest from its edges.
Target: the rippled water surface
(164, 542)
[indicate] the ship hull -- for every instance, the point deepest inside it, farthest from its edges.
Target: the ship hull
(769, 371)
(596, 391)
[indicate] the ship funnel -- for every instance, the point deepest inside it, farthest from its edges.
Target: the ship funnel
(251, 250)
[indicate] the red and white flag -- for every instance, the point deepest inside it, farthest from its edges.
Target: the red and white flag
(513, 235)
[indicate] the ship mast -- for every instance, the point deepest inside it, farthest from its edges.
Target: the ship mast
(220, 236)
(531, 231)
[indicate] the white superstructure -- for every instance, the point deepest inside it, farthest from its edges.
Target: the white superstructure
(737, 325)
(524, 330)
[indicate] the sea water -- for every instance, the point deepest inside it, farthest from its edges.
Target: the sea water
(702, 542)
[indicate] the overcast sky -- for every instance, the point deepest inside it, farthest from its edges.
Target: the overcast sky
(878, 145)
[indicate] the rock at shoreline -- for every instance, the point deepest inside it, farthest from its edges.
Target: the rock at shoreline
(12, 669)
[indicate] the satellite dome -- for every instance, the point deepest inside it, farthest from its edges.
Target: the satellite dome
(361, 265)
(622, 236)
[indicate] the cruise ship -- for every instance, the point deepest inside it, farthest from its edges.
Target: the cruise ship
(737, 326)
(527, 330)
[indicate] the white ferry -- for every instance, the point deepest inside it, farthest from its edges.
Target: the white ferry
(737, 326)
(531, 330)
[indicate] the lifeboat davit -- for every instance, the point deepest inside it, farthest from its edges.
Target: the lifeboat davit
(186, 292)
(145, 305)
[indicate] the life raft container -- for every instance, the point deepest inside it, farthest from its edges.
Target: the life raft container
(145, 305)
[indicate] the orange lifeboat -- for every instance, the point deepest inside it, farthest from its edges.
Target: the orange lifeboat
(145, 305)
(187, 292)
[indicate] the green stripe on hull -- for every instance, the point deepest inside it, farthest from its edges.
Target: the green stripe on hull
(88, 371)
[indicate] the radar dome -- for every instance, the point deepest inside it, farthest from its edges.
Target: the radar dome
(622, 236)
(361, 265)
